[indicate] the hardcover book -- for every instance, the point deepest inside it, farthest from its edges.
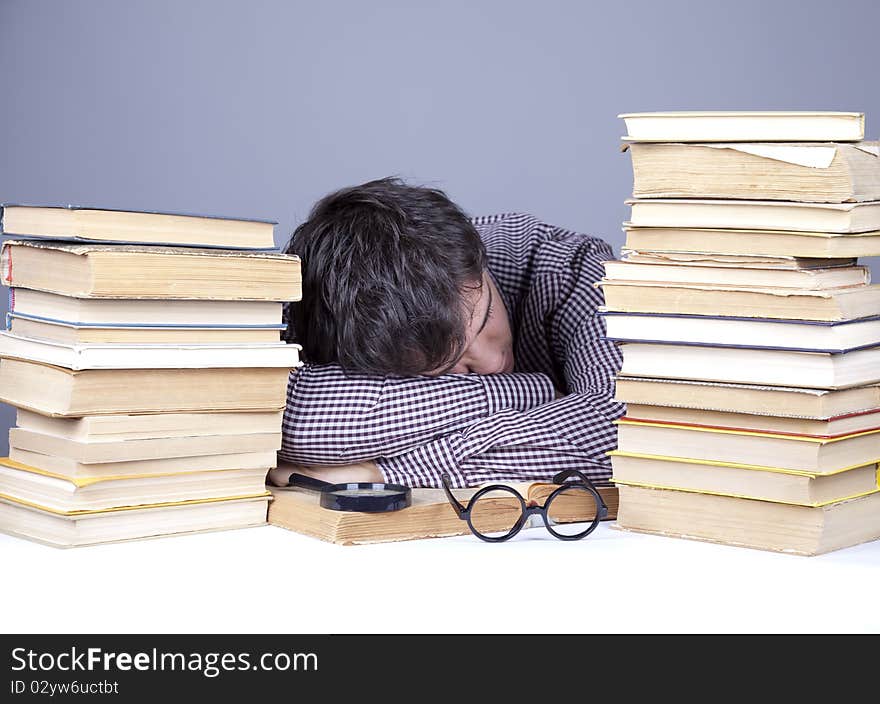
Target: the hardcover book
(149, 356)
(759, 420)
(764, 525)
(780, 263)
(743, 365)
(73, 334)
(149, 426)
(70, 222)
(769, 215)
(56, 391)
(772, 400)
(66, 495)
(747, 481)
(770, 243)
(823, 173)
(134, 271)
(744, 126)
(60, 465)
(694, 299)
(52, 307)
(757, 333)
(109, 450)
(812, 279)
(80, 528)
(807, 453)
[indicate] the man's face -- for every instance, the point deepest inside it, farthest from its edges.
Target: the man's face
(489, 340)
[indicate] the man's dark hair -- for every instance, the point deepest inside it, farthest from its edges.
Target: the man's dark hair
(384, 269)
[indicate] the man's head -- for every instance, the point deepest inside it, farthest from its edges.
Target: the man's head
(395, 282)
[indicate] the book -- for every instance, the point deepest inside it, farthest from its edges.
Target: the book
(768, 215)
(134, 271)
(72, 222)
(52, 307)
(70, 334)
(742, 480)
(109, 450)
(744, 126)
(807, 453)
(739, 261)
(56, 391)
(740, 277)
(704, 299)
(775, 400)
(149, 426)
(730, 331)
(765, 525)
(154, 356)
(754, 242)
(758, 421)
(63, 466)
(742, 365)
(429, 516)
(65, 495)
(819, 173)
(129, 523)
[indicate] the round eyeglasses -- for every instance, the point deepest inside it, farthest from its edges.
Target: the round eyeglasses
(498, 512)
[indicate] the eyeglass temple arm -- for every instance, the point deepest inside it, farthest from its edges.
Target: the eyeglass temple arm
(566, 473)
(449, 495)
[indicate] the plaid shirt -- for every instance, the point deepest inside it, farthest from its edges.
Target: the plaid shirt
(481, 428)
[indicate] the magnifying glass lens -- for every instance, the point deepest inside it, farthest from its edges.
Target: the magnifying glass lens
(364, 492)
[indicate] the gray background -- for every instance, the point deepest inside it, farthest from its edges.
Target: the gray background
(258, 108)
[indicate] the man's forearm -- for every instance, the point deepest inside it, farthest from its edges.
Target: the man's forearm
(574, 432)
(333, 418)
(359, 472)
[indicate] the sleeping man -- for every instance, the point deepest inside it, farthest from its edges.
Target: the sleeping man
(435, 343)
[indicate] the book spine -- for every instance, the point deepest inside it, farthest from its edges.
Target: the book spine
(186, 245)
(138, 326)
(746, 431)
(732, 346)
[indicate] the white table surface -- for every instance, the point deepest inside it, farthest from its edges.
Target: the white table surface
(267, 579)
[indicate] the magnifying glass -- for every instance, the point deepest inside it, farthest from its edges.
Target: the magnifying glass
(366, 497)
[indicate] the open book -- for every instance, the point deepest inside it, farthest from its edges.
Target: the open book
(429, 516)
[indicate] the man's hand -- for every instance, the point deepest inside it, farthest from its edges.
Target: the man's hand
(336, 474)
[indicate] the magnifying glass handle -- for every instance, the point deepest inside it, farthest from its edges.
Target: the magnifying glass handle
(304, 482)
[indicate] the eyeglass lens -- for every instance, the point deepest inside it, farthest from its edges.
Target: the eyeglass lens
(495, 513)
(572, 511)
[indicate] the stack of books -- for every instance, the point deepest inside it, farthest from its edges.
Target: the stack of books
(143, 354)
(750, 333)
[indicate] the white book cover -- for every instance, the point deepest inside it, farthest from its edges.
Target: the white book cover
(756, 125)
(155, 356)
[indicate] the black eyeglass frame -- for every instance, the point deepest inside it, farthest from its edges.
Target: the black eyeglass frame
(464, 512)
